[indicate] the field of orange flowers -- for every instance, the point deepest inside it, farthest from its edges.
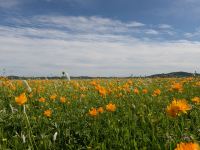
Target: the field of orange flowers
(136, 114)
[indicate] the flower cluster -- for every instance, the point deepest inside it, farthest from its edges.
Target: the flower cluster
(95, 111)
(178, 107)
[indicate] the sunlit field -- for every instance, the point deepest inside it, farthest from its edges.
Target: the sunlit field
(135, 114)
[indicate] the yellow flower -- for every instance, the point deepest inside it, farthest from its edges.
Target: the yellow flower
(177, 107)
(93, 83)
(187, 146)
(130, 82)
(100, 110)
(156, 92)
(42, 99)
(62, 99)
(48, 113)
(102, 91)
(198, 83)
(111, 107)
(53, 97)
(196, 100)
(93, 112)
(21, 99)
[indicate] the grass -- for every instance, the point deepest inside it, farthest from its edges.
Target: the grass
(139, 122)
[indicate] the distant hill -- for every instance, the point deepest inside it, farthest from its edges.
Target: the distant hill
(174, 74)
(163, 75)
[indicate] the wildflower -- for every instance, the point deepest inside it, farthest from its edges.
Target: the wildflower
(156, 92)
(111, 107)
(93, 112)
(177, 87)
(21, 99)
(126, 86)
(119, 95)
(53, 97)
(48, 113)
(93, 83)
(130, 82)
(144, 91)
(102, 91)
(62, 99)
(100, 110)
(196, 100)
(136, 91)
(42, 99)
(198, 83)
(30, 95)
(177, 107)
(187, 146)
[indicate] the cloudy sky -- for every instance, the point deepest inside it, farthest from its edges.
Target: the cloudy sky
(99, 37)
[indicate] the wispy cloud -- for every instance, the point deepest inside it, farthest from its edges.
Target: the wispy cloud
(45, 45)
(164, 26)
(195, 34)
(151, 31)
(95, 24)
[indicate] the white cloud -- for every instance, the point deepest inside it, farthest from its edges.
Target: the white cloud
(89, 46)
(165, 26)
(88, 24)
(151, 31)
(135, 24)
(195, 34)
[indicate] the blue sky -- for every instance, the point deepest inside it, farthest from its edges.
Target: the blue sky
(99, 37)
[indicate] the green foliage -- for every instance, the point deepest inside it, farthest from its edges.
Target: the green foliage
(140, 121)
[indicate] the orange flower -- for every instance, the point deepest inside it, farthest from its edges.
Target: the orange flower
(42, 99)
(111, 107)
(21, 99)
(93, 112)
(93, 83)
(136, 91)
(119, 95)
(177, 87)
(102, 91)
(144, 91)
(187, 146)
(130, 82)
(198, 83)
(48, 113)
(100, 110)
(30, 95)
(196, 100)
(177, 107)
(53, 97)
(156, 92)
(62, 99)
